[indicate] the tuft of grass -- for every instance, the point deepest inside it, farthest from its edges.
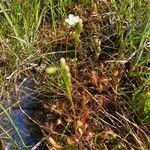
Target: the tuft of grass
(132, 29)
(58, 10)
(21, 23)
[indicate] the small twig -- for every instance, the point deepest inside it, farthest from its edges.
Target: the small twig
(39, 143)
(32, 119)
(122, 61)
(10, 76)
(135, 125)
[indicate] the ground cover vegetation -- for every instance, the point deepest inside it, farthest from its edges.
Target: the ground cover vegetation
(97, 71)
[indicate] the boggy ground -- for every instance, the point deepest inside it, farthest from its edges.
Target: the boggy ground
(102, 85)
(103, 118)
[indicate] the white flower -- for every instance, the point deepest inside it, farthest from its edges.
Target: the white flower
(73, 20)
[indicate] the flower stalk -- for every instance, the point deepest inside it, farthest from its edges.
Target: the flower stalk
(66, 78)
(76, 23)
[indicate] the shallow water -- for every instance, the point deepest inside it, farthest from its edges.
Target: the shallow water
(27, 134)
